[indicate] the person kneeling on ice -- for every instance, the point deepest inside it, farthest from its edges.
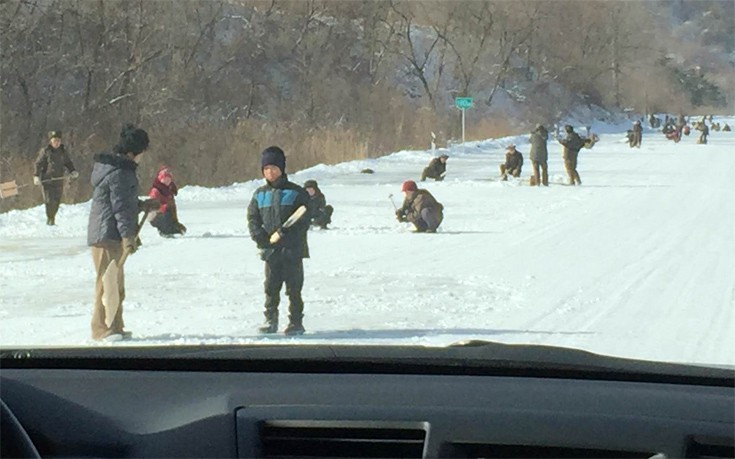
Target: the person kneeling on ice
(513, 163)
(166, 220)
(282, 242)
(320, 213)
(420, 208)
(436, 169)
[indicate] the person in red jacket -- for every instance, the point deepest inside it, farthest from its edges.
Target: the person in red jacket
(164, 190)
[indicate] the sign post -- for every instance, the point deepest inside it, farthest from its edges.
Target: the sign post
(463, 103)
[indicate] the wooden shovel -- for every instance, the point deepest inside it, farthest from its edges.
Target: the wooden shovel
(110, 285)
(10, 189)
(295, 216)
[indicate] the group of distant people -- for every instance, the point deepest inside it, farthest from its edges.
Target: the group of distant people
(674, 128)
(539, 155)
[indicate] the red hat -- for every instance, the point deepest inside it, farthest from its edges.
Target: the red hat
(164, 172)
(409, 185)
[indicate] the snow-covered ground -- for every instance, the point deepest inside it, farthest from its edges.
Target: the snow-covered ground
(637, 262)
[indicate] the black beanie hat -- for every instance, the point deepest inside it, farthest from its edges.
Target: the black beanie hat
(132, 140)
(273, 156)
(311, 184)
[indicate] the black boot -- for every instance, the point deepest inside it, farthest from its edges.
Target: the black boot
(268, 327)
(295, 321)
(294, 328)
(271, 315)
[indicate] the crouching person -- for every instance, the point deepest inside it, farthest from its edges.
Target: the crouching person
(320, 213)
(436, 169)
(166, 220)
(420, 208)
(513, 163)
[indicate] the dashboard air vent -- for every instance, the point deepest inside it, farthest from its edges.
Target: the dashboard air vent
(476, 450)
(340, 439)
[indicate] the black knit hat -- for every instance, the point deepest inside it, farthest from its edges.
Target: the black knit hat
(273, 156)
(132, 140)
(569, 128)
(54, 135)
(311, 184)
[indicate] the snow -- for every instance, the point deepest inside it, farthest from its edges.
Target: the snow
(637, 262)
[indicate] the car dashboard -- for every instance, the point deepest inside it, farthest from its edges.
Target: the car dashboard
(352, 401)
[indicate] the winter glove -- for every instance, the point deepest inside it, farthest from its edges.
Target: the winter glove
(262, 241)
(129, 244)
(36, 181)
(278, 235)
(74, 175)
(182, 228)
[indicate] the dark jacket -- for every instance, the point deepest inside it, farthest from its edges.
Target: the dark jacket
(572, 144)
(539, 153)
(269, 208)
(436, 168)
(316, 205)
(513, 160)
(419, 200)
(114, 213)
(52, 162)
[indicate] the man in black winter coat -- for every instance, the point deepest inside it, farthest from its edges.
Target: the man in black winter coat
(269, 209)
(436, 169)
(51, 163)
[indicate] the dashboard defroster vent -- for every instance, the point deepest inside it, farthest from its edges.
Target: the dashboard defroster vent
(710, 447)
(340, 439)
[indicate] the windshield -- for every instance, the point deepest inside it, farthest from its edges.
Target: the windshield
(369, 172)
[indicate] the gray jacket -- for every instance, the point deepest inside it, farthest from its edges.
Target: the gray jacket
(539, 153)
(114, 211)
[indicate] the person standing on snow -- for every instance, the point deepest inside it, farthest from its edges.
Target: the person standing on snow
(572, 144)
(436, 169)
(513, 163)
(166, 220)
(50, 165)
(420, 208)
(680, 123)
(320, 213)
(637, 135)
(113, 219)
(539, 156)
(705, 132)
(269, 208)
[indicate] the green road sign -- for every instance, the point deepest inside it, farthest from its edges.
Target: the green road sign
(463, 102)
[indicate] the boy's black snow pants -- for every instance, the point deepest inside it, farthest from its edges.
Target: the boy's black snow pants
(280, 270)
